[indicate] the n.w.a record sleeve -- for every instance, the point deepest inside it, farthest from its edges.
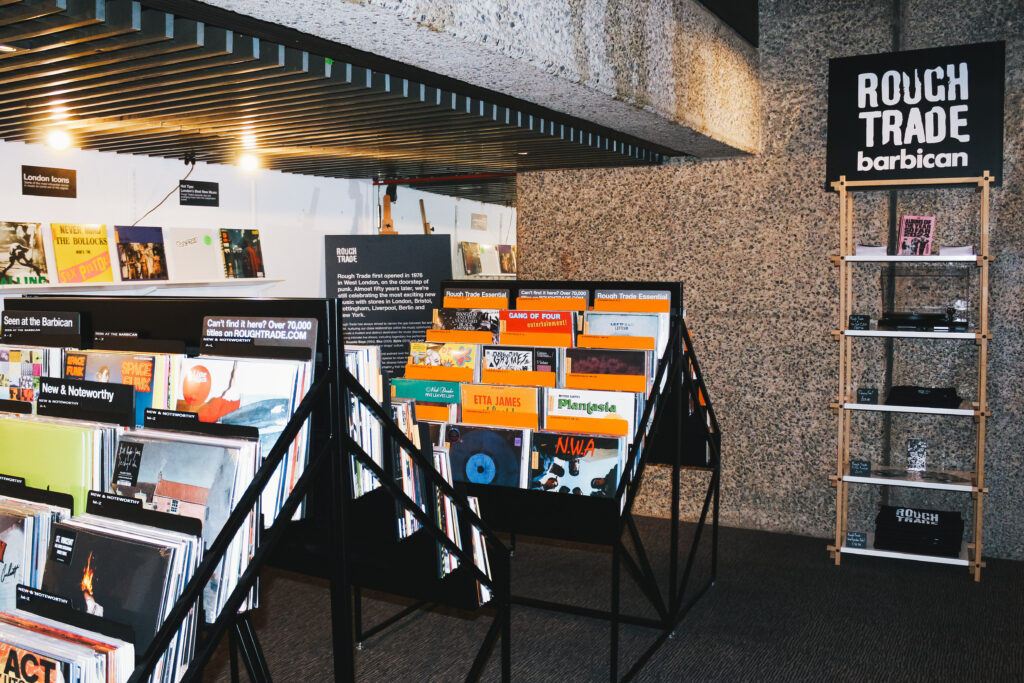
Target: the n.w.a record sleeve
(582, 464)
(488, 455)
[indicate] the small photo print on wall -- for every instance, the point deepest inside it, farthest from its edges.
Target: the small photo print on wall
(140, 251)
(22, 255)
(243, 253)
(507, 256)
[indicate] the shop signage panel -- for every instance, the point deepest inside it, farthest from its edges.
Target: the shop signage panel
(934, 113)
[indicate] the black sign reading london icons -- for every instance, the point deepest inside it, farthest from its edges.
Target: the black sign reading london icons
(935, 113)
(867, 395)
(83, 400)
(860, 322)
(856, 539)
(198, 193)
(860, 468)
(43, 181)
(41, 328)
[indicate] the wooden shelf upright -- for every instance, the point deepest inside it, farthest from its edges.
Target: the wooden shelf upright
(973, 480)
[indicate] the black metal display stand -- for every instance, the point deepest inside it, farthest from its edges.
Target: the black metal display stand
(368, 554)
(324, 483)
(678, 428)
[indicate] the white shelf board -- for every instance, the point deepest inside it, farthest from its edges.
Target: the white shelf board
(142, 284)
(931, 258)
(960, 560)
(912, 480)
(910, 334)
(881, 407)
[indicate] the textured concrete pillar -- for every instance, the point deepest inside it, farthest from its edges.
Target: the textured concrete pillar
(666, 71)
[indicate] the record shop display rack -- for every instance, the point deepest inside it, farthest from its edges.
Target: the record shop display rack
(669, 432)
(324, 484)
(973, 481)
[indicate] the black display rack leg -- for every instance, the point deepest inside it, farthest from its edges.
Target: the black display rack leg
(614, 664)
(249, 647)
(357, 615)
(233, 655)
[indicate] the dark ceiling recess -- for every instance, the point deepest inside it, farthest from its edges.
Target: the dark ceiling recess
(741, 15)
(134, 78)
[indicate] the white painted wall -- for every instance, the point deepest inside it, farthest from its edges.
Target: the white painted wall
(292, 212)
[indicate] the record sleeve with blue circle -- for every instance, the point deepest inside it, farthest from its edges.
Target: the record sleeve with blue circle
(487, 455)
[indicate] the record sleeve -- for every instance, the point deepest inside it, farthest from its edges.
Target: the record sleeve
(81, 253)
(194, 255)
(243, 253)
(140, 253)
(20, 371)
(487, 455)
(581, 464)
(22, 254)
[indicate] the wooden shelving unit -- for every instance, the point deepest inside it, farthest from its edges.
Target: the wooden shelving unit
(973, 481)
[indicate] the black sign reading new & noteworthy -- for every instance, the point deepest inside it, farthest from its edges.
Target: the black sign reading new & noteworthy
(920, 114)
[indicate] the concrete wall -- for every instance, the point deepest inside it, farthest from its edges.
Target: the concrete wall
(667, 71)
(750, 238)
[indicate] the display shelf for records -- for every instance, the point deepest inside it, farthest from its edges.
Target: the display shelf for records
(841, 479)
(961, 559)
(148, 285)
(943, 480)
(324, 484)
(931, 258)
(661, 436)
(910, 334)
(964, 409)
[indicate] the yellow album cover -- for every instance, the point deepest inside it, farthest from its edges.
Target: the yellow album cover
(81, 252)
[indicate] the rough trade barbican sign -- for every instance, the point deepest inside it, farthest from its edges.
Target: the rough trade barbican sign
(935, 113)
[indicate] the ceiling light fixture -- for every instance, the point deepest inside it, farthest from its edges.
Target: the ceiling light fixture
(249, 162)
(58, 140)
(59, 112)
(8, 48)
(522, 154)
(248, 141)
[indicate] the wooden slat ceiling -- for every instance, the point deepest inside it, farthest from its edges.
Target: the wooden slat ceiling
(122, 77)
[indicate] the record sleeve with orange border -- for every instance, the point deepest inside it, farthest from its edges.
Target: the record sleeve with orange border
(586, 411)
(537, 328)
(501, 406)
(81, 253)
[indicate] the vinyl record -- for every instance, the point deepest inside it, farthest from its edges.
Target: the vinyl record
(483, 456)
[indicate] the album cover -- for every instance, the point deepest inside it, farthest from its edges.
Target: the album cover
(20, 370)
(916, 234)
(112, 577)
(12, 554)
(500, 405)
(48, 455)
(243, 253)
(589, 411)
(524, 358)
(487, 455)
(603, 323)
(255, 393)
(581, 464)
(81, 253)
(181, 478)
(490, 262)
(443, 354)
(477, 319)
(135, 370)
(606, 362)
(547, 322)
(22, 254)
(507, 258)
(194, 255)
(471, 257)
(140, 251)
(53, 669)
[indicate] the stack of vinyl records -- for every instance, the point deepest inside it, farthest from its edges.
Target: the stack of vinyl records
(129, 573)
(67, 456)
(20, 370)
(35, 648)
(153, 375)
(25, 539)
(196, 476)
(363, 363)
(253, 393)
(919, 531)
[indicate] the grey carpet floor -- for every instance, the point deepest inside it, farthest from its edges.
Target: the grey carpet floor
(779, 611)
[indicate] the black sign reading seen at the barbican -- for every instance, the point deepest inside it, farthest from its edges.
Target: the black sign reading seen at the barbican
(935, 113)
